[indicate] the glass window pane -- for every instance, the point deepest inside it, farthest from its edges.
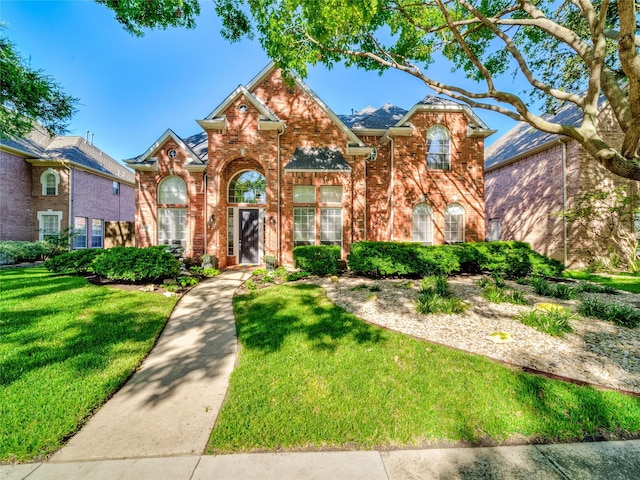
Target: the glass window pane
(172, 226)
(454, 224)
(331, 194)
(422, 224)
(304, 194)
(304, 226)
(331, 226)
(173, 190)
(50, 181)
(80, 231)
(438, 147)
(116, 188)
(247, 187)
(96, 233)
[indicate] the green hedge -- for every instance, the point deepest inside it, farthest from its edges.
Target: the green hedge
(137, 264)
(317, 259)
(13, 251)
(76, 262)
(509, 259)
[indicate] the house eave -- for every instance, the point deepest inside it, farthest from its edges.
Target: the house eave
(16, 151)
(271, 125)
(358, 150)
(219, 123)
(479, 132)
(61, 162)
(540, 148)
(369, 132)
(195, 168)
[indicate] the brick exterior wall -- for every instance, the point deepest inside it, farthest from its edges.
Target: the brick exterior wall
(527, 196)
(55, 203)
(373, 194)
(16, 209)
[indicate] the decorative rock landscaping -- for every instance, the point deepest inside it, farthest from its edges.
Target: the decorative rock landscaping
(595, 352)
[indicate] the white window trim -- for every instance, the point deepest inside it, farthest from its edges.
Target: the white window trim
(464, 221)
(166, 180)
(43, 181)
(40, 216)
(431, 129)
(76, 232)
(308, 187)
(90, 238)
(429, 239)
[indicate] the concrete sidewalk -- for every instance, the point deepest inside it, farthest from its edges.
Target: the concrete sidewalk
(585, 461)
(157, 426)
(169, 406)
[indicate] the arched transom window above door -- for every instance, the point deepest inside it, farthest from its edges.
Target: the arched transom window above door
(247, 187)
(172, 190)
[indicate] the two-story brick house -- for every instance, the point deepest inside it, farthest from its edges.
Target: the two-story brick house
(48, 184)
(532, 177)
(276, 168)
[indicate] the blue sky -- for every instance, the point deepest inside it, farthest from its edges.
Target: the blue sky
(132, 89)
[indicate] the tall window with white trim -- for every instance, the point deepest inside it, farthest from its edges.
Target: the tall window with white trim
(438, 148)
(304, 226)
(422, 224)
(331, 226)
(172, 224)
(454, 223)
(97, 233)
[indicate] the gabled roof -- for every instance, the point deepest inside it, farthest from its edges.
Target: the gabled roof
(265, 112)
(431, 103)
(353, 138)
(38, 146)
(523, 138)
(147, 161)
(312, 159)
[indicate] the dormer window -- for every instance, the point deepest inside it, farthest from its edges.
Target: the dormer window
(438, 148)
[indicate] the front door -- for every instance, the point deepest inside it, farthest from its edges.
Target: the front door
(249, 235)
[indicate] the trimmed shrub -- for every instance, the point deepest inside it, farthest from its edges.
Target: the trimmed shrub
(137, 264)
(381, 259)
(317, 259)
(14, 251)
(76, 262)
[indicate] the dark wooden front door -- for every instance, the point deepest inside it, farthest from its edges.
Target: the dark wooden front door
(249, 236)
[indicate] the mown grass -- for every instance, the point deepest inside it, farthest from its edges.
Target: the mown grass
(310, 375)
(65, 347)
(629, 283)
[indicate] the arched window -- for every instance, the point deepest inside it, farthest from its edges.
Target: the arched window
(454, 223)
(172, 190)
(50, 179)
(247, 187)
(438, 148)
(422, 224)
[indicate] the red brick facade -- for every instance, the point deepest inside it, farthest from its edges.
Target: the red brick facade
(378, 196)
(528, 193)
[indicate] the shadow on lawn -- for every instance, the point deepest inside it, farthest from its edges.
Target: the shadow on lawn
(267, 319)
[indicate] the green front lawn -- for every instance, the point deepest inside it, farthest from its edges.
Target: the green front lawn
(65, 347)
(629, 283)
(311, 375)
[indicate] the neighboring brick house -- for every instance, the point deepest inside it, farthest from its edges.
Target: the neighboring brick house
(532, 177)
(276, 168)
(48, 184)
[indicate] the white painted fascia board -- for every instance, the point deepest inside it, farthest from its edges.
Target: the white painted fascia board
(62, 162)
(219, 123)
(444, 108)
(271, 125)
(479, 132)
(406, 131)
(195, 168)
(145, 167)
(240, 91)
(169, 134)
(359, 150)
(369, 132)
(262, 74)
(312, 170)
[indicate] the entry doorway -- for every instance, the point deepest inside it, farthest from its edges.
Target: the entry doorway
(249, 235)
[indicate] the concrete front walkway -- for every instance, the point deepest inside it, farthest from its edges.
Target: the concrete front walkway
(170, 404)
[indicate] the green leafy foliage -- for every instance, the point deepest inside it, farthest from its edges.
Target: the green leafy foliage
(317, 259)
(210, 272)
(294, 276)
(437, 296)
(623, 315)
(547, 289)
(137, 264)
(12, 251)
(553, 319)
(76, 262)
(28, 96)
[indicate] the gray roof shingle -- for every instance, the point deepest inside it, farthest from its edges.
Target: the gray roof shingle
(318, 159)
(38, 144)
(375, 118)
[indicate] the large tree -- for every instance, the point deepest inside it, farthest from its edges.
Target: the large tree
(580, 52)
(28, 96)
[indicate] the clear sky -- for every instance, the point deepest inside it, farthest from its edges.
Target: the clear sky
(132, 89)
